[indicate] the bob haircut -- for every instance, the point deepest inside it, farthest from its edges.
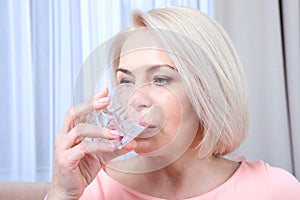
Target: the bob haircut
(210, 70)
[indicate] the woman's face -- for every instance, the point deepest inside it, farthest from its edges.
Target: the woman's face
(159, 86)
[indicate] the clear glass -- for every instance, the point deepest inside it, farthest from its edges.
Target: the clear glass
(122, 114)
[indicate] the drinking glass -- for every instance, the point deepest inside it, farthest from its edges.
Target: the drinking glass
(121, 115)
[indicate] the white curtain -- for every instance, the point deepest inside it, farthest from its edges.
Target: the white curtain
(42, 47)
(267, 37)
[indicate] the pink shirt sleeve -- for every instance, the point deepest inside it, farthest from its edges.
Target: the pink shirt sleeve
(283, 184)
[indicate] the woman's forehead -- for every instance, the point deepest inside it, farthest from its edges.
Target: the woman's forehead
(141, 39)
(143, 48)
(145, 57)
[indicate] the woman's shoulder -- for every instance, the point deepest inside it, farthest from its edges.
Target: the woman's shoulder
(281, 183)
(272, 173)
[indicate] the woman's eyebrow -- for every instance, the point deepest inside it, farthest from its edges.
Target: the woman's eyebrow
(126, 71)
(150, 69)
(157, 67)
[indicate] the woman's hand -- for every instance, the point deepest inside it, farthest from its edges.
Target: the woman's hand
(77, 162)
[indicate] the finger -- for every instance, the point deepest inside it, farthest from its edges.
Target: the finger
(108, 156)
(74, 155)
(99, 101)
(78, 113)
(105, 152)
(82, 130)
(129, 146)
(98, 147)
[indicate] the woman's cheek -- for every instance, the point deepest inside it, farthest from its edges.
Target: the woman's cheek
(173, 116)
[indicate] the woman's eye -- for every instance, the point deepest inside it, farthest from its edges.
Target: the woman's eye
(161, 80)
(126, 80)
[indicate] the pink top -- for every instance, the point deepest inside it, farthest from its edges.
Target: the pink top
(252, 180)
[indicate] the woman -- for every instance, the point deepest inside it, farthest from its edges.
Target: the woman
(181, 61)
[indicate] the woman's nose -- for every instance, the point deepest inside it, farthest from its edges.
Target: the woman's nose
(141, 99)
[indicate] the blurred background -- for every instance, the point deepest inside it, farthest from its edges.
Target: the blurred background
(44, 43)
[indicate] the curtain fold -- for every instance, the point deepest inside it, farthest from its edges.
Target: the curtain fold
(290, 17)
(270, 56)
(18, 90)
(43, 45)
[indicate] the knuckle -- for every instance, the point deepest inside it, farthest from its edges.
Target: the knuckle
(70, 112)
(83, 148)
(80, 127)
(64, 161)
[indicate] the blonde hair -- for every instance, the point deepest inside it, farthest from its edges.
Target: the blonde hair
(210, 70)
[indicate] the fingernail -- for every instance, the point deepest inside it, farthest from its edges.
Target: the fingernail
(114, 132)
(103, 100)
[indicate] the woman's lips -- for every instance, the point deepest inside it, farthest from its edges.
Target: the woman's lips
(149, 131)
(147, 125)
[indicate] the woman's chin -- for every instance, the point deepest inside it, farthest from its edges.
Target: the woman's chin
(148, 147)
(145, 146)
